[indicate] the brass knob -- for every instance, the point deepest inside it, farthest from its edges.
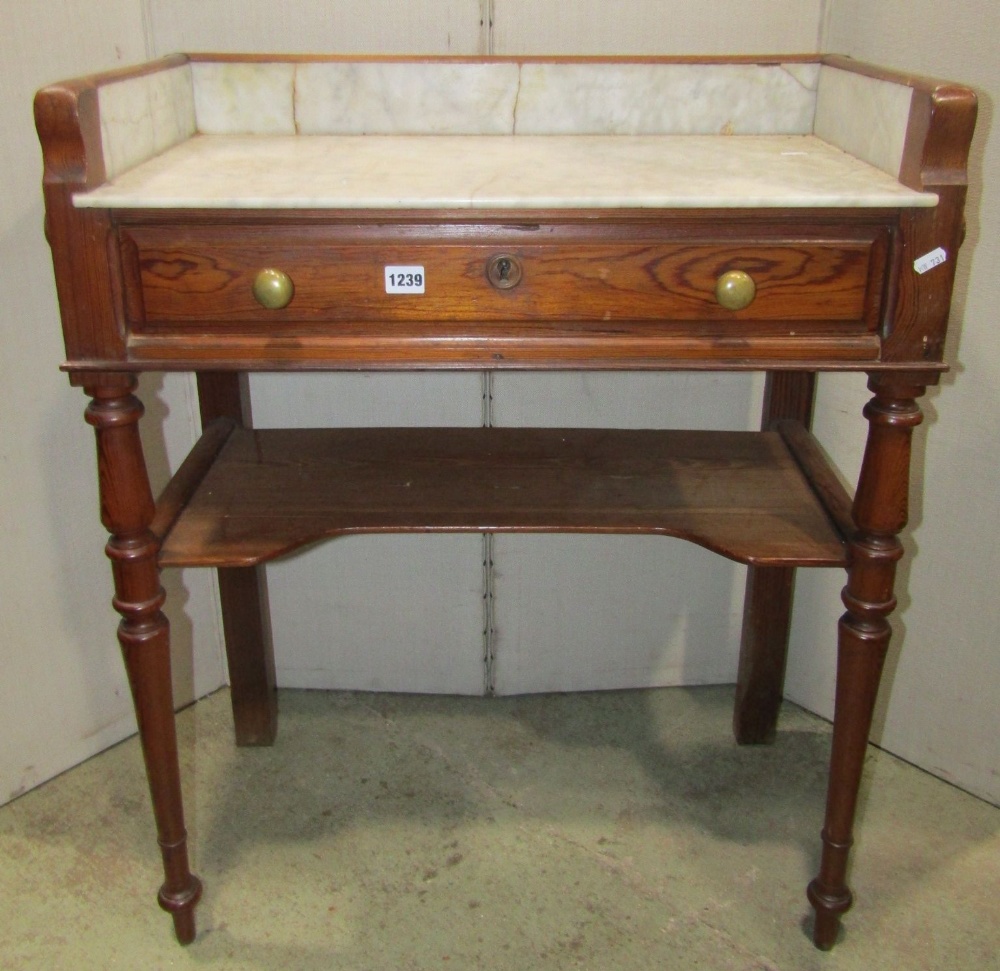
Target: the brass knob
(735, 290)
(504, 271)
(273, 289)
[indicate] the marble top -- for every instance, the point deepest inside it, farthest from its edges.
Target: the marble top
(502, 171)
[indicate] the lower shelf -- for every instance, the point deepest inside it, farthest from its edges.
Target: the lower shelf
(247, 496)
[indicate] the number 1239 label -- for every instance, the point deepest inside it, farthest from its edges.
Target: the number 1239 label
(404, 279)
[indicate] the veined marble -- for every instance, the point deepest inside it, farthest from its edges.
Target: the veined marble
(864, 116)
(495, 171)
(666, 99)
(391, 97)
(144, 115)
(244, 98)
(503, 97)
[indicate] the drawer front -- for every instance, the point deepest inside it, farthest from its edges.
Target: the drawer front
(202, 278)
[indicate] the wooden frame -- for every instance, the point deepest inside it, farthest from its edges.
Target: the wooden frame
(894, 329)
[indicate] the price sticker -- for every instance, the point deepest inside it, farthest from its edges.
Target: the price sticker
(929, 260)
(404, 279)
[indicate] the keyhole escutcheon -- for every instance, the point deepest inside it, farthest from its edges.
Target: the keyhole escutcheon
(504, 271)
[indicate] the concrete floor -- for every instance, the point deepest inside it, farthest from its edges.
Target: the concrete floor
(621, 830)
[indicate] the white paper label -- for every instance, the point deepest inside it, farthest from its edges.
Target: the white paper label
(404, 279)
(929, 260)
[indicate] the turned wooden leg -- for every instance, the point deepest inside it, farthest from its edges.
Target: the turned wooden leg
(880, 512)
(126, 511)
(767, 606)
(246, 622)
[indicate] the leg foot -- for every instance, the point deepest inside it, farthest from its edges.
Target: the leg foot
(181, 907)
(825, 930)
(829, 907)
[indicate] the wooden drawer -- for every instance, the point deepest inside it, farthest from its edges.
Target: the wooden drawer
(200, 278)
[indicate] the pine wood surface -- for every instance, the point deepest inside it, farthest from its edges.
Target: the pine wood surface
(204, 278)
(738, 493)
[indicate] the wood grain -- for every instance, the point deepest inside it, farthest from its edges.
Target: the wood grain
(205, 280)
(146, 291)
(767, 604)
(271, 491)
(224, 399)
(623, 291)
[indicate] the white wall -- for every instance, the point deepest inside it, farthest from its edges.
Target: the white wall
(670, 613)
(939, 705)
(320, 26)
(63, 694)
(656, 27)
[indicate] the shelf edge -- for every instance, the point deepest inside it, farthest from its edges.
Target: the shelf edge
(178, 491)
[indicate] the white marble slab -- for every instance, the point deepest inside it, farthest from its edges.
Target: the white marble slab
(244, 98)
(389, 97)
(142, 116)
(495, 171)
(666, 99)
(864, 116)
(503, 97)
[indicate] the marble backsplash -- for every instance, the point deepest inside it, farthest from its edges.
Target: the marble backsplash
(145, 115)
(503, 98)
(666, 99)
(371, 98)
(864, 116)
(142, 116)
